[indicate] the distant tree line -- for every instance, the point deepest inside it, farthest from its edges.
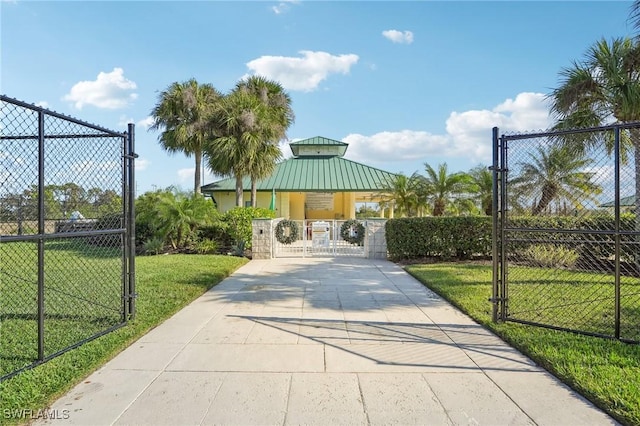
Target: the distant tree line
(59, 202)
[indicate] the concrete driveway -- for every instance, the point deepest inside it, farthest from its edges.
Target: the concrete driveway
(322, 341)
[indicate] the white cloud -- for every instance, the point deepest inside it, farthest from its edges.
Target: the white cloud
(395, 146)
(402, 37)
(123, 121)
(186, 175)
(283, 6)
(302, 73)
(468, 134)
(145, 122)
(42, 104)
(89, 166)
(141, 164)
(109, 90)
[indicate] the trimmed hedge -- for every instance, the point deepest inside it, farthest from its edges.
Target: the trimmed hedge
(444, 237)
(239, 223)
(466, 237)
(588, 245)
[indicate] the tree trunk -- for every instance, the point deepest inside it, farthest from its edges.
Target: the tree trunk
(548, 194)
(438, 207)
(197, 182)
(254, 193)
(239, 192)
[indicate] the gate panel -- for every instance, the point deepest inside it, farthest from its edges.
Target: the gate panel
(318, 238)
(566, 243)
(65, 260)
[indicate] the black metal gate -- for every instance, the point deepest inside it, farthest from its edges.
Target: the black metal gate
(67, 259)
(566, 240)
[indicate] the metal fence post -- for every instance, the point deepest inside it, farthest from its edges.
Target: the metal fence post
(494, 231)
(41, 231)
(131, 219)
(616, 148)
(504, 285)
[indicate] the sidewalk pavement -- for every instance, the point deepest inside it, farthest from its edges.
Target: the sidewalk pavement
(322, 341)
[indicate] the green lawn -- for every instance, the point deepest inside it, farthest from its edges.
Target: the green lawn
(165, 284)
(83, 286)
(605, 371)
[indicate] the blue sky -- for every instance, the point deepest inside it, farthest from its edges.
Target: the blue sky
(403, 83)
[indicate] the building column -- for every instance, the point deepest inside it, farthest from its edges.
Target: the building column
(375, 242)
(262, 238)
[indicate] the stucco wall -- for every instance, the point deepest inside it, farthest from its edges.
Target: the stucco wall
(227, 200)
(291, 205)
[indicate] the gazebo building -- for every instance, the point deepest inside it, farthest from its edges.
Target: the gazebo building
(316, 183)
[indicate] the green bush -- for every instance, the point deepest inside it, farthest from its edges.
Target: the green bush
(548, 255)
(443, 237)
(206, 246)
(218, 231)
(587, 246)
(174, 216)
(154, 245)
(239, 221)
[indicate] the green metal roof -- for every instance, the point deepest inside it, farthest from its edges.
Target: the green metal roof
(319, 142)
(625, 202)
(313, 174)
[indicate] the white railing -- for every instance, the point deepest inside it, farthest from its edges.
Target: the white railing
(318, 238)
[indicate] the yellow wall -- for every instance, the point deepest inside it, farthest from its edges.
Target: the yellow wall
(291, 205)
(227, 200)
(296, 205)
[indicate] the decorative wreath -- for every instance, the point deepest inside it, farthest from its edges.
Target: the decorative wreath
(287, 237)
(352, 231)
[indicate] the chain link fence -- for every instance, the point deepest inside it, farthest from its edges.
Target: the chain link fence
(566, 230)
(66, 258)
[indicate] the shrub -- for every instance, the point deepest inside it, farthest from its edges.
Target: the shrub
(239, 222)
(549, 255)
(218, 231)
(206, 246)
(154, 245)
(601, 246)
(443, 237)
(174, 216)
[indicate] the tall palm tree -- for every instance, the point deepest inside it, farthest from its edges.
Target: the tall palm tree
(604, 86)
(279, 118)
(183, 114)
(634, 15)
(234, 150)
(402, 193)
(556, 174)
(482, 179)
(441, 186)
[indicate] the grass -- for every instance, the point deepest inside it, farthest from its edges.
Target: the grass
(604, 371)
(165, 284)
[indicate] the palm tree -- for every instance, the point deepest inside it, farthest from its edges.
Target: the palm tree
(554, 175)
(604, 86)
(234, 150)
(634, 15)
(441, 186)
(402, 194)
(183, 113)
(483, 188)
(179, 215)
(280, 117)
